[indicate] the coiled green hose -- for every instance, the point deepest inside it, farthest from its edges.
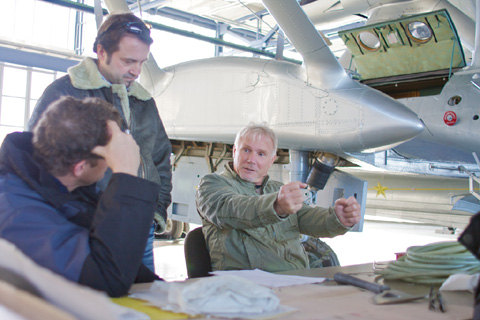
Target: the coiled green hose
(431, 264)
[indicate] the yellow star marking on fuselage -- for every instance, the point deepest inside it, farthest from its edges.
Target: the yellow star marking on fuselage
(380, 189)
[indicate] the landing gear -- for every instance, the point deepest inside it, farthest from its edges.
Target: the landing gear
(319, 253)
(173, 230)
(186, 229)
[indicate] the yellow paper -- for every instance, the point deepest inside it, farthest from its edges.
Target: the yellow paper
(153, 312)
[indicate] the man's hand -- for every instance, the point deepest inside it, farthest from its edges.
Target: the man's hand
(121, 152)
(290, 198)
(347, 211)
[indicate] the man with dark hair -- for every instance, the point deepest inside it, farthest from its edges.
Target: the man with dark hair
(122, 46)
(55, 150)
(51, 209)
(250, 221)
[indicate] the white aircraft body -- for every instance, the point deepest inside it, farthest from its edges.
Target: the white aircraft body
(329, 14)
(449, 144)
(315, 108)
(451, 117)
(311, 107)
(453, 143)
(440, 142)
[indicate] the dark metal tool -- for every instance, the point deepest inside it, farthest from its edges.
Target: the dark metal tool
(435, 302)
(384, 294)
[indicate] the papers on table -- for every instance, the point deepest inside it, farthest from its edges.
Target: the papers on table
(230, 294)
(270, 280)
(228, 297)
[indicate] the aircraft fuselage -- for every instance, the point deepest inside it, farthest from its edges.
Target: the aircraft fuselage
(211, 99)
(452, 118)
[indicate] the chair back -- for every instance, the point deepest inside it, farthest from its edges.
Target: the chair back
(197, 257)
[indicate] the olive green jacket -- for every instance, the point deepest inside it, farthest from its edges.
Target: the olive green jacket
(243, 231)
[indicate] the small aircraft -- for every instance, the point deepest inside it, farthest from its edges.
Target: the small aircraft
(315, 108)
(445, 97)
(448, 107)
(321, 114)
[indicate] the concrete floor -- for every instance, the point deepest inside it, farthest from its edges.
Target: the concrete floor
(379, 241)
(169, 260)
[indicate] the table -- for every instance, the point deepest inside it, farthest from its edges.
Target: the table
(332, 301)
(329, 300)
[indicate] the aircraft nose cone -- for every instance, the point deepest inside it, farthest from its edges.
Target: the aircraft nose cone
(388, 120)
(382, 122)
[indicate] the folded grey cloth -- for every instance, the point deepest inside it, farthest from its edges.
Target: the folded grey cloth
(226, 294)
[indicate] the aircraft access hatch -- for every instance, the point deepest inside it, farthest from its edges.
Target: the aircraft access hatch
(419, 46)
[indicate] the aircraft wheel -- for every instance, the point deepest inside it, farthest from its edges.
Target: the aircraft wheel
(186, 229)
(319, 253)
(173, 230)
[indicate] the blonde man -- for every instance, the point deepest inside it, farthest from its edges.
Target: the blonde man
(250, 221)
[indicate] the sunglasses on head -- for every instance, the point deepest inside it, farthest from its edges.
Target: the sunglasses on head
(131, 27)
(137, 28)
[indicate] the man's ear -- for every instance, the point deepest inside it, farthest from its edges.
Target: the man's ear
(79, 168)
(273, 158)
(101, 52)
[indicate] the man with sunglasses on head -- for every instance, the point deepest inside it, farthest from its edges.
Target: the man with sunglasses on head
(51, 209)
(122, 46)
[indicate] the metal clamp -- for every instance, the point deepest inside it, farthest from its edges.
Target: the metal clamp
(435, 301)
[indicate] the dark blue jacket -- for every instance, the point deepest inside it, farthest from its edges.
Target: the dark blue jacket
(95, 240)
(84, 80)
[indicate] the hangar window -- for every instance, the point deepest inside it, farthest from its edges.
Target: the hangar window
(419, 32)
(368, 41)
(20, 88)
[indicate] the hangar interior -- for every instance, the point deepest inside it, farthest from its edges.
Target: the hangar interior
(40, 39)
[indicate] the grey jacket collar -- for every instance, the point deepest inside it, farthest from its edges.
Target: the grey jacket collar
(86, 76)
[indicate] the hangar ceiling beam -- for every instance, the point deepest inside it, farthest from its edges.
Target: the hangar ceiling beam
(216, 41)
(75, 5)
(137, 6)
(255, 15)
(184, 33)
(196, 20)
(184, 17)
(34, 59)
